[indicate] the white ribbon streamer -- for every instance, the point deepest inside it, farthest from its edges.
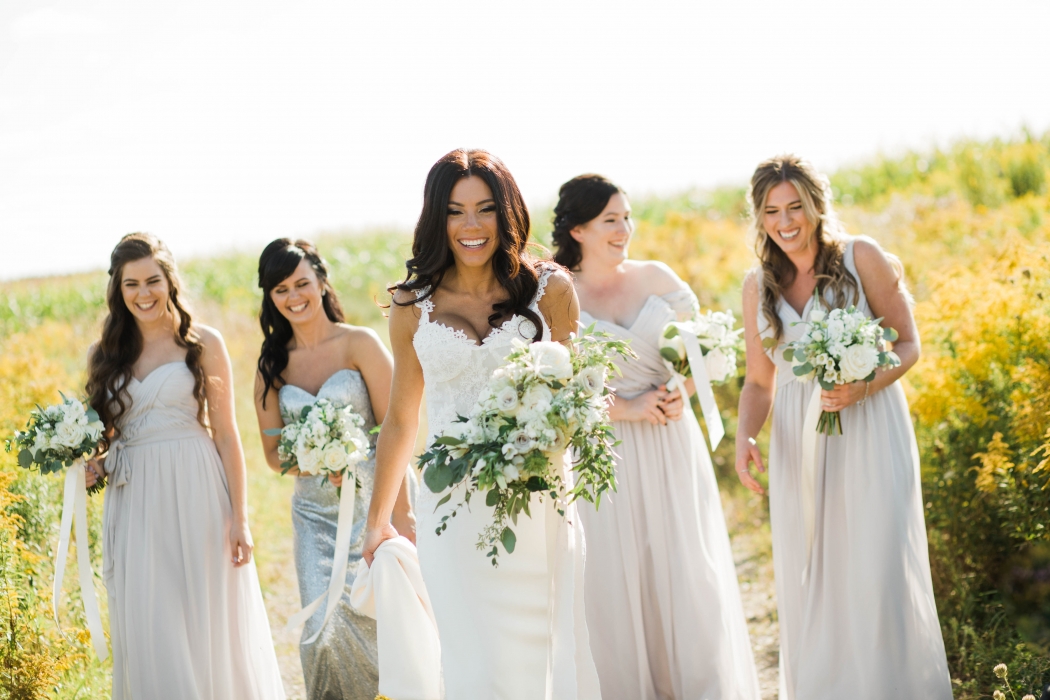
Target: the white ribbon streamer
(74, 504)
(808, 487)
(702, 383)
(340, 563)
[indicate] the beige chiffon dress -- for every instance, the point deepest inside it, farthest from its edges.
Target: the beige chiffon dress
(864, 624)
(184, 623)
(663, 603)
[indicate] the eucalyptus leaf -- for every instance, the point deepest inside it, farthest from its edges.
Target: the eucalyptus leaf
(789, 353)
(448, 441)
(670, 355)
(802, 370)
(769, 343)
(509, 540)
(25, 459)
(272, 431)
(889, 334)
(444, 499)
(492, 498)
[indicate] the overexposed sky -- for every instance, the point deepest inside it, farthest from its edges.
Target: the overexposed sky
(217, 124)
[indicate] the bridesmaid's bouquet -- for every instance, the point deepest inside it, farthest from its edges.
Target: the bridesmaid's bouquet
(718, 340)
(840, 346)
(57, 437)
(326, 439)
(546, 399)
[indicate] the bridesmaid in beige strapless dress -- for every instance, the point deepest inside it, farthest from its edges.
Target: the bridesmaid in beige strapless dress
(187, 620)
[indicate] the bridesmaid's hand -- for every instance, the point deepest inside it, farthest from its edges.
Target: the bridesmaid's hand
(842, 396)
(644, 407)
(93, 472)
(374, 537)
(671, 404)
(336, 479)
(241, 543)
(746, 452)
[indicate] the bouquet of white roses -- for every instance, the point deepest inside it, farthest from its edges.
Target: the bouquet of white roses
(719, 342)
(840, 346)
(326, 439)
(546, 399)
(58, 436)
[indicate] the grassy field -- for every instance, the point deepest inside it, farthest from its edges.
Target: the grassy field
(972, 225)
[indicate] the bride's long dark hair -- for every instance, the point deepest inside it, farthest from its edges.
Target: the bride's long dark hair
(516, 268)
(276, 264)
(112, 359)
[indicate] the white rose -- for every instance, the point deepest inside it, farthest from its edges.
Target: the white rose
(817, 314)
(591, 380)
(506, 400)
(858, 362)
(719, 365)
(41, 442)
(334, 457)
(308, 461)
(523, 443)
(551, 360)
(69, 434)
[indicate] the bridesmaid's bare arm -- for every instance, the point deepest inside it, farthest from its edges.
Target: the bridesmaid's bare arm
(269, 417)
(376, 366)
(218, 373)
(398, 436)
(756, 396)
(888, 300)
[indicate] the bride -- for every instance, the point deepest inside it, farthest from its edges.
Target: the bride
(472, 289)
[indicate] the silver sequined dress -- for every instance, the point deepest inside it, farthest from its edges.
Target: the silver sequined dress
(341, 663)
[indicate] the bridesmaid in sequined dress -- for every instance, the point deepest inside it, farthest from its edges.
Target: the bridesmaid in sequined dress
(308, 353)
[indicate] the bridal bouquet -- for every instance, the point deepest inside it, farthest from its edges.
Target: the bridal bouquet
(840, 346)
(546, 399)
(326, 439)
(58, 436)
(719, 342)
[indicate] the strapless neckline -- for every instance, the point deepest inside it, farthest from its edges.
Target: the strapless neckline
(324, 384)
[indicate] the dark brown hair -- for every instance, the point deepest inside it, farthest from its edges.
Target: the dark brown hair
(580, 200)
(276, 264)
(777, 270)
(111, 361)
(515, 266)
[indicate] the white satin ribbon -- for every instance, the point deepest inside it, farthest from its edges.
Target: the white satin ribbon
(340, 563)
(392, 592)
(702, 383)
(571, 674)
(808, 477)
(74, 504)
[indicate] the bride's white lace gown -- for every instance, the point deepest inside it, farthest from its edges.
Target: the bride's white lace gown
(499, 639)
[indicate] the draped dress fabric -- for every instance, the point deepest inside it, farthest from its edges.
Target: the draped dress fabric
(864, 624)
(663, 603)
(185, 624)
(342, 662)
(494, 623)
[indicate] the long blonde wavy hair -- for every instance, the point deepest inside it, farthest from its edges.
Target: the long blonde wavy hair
(776, 269)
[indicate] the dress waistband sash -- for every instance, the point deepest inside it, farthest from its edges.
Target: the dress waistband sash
(117, 465)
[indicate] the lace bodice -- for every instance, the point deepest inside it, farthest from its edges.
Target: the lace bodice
(455, 368)
(792, 320)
